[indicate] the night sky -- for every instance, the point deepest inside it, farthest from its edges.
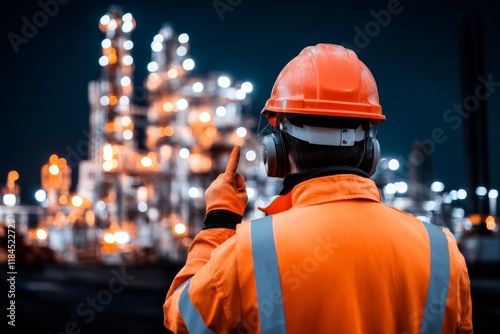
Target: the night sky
(414, 57)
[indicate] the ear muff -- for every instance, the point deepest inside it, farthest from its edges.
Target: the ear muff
(371, 156)
(274, 155)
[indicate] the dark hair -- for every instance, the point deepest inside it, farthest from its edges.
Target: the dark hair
(308, 156)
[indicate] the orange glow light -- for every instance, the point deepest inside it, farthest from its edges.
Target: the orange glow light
(490, 223)
(13, 175)
(41, 234)
(172, 73)
(113, 100)
(211, 131)
(179, 229)
(168, 106)
(112, 58)
(63, 199)
(168, 131)
(53, 159)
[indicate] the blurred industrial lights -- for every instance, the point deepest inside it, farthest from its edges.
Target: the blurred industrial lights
(112, 24)
(121, 237)
(40, 195)
(77, 201)
(223, 81)
(158, 38)
(401, 187)
(124, 100)
(109, 238)
(54, 169)
(127, 17)
(168, 106)
(106, 43)
(247, 87)
(172, 73)
(128, 134)
(393, 164)
(103, 61)
(184, 153)
(250, 192)
(220, 111)
(481, 191)
(128, 45)
(105, 20)
(183, 38)
(41, 234)
(251, 155)
(146, 161)
(461, 194)
(188, 64)
(437, 186)
(100, 205)
(197, 87)
(127, 26)
(142, 206)
(182, 104)
(205, 117)
(152, 66)
(390, 189)
(194, 192)
(240, 94)
(493, 193)
(125, 81)
(156, 46)
(104, 100)
(241, 132)
(181, 51)
(180, 228)
(128, 60)
(9, 199)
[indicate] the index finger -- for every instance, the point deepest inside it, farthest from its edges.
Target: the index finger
(233, 161)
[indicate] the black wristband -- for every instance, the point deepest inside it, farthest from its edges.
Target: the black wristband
(222, 218)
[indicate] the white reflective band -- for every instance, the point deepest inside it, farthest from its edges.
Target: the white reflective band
(437, 292)
(192, 318)
(267, 277)
(324, 136)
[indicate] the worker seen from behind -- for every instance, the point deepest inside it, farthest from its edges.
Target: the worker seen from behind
(328, 256)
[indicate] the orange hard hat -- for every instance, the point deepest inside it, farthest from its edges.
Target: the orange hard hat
(326, 80)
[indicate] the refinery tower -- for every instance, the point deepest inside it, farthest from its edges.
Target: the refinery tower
(140, 195)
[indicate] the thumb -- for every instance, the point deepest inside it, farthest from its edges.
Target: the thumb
(240, 182)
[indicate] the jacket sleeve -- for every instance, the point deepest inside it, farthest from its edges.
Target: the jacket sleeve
(459, 293)
(465, 326)
(195, 300)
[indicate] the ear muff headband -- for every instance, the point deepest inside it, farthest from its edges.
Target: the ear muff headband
(275, 156)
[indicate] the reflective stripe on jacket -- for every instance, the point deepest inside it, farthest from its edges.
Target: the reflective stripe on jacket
(331, 259)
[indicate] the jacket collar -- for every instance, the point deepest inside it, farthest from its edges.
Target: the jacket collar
(321, 186)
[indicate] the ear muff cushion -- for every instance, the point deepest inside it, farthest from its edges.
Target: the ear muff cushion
(371, 156)
(274, 155)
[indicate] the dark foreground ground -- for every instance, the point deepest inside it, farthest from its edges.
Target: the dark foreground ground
(105, 299)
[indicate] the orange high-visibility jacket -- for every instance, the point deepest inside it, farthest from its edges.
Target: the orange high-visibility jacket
(330, 258)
